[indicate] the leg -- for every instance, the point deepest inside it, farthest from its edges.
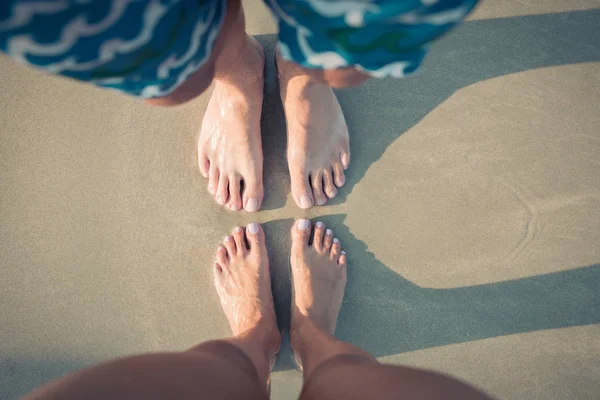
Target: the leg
(234, 368)
(334, 369)
(229, 148)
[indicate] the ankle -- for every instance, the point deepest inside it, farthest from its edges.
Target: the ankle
(266, 336)
(302, 328)
(244, 66)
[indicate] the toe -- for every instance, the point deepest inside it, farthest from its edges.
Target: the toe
(339, 178)
(301, 233)
(235, 197)
(336, 249)
(330, 188)
(203, 164)
(253, 194)
(345, 158)
(240, 241)
(213, 179)
(317, 186)
(327, 240)
(218, 270)
(301, 190)
(255, 236)
(222, 257)
(229, 244)
(342, 259)
(222, 193)
(318, 235)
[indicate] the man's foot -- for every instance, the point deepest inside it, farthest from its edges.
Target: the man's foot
(229, 148)
(318, 275)
(318, 149)
(243, 283)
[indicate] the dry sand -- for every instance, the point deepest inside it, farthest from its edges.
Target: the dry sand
(471, 214)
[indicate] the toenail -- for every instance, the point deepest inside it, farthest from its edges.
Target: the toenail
(329, 232)
(253, 228)
(303, 224)
(320, 202)
(238, 229)
(305, 201)
(228, 238)
(344, 159)
(319, 224)
(220, 200)
(336, 240)
(343, 252)
(252, 205)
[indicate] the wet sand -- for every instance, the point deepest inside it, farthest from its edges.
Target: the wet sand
(471, 214)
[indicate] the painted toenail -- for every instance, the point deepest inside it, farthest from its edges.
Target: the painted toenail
(220, 200)
(303, 224)
(336, 240)
(320, 202)
(319, 224)
(305, 201)
(343, 252)
(252, 205)
(238, 229)
(228, 238)
(329, 232)
(345, 161)
(253, 228)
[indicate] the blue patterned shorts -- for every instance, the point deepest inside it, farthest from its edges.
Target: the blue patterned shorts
(147, 48)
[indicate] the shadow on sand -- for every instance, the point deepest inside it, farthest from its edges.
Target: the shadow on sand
(474, 52)
(387, 314)
(383, 312)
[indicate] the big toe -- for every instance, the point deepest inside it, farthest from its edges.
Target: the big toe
(256, 238)
(301, 190)
(253, 194)
(300, 233)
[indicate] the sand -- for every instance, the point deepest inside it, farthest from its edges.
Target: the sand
(471, 214)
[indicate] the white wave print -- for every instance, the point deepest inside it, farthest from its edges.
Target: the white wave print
(111, 48)
(325, 60)
(23, 12)
(438, 18)
(199, 30)
(284, 51)
(192, 67)
(353, 11)
(393, 70)
(22, 45)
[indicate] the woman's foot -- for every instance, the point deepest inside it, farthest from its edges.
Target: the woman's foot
(318, 275)
(243, 282)
(318, 149)
(229, 148)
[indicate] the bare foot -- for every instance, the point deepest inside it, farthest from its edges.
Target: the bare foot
(318, 149)
(229, 148)
(318, 274)
(243, 281)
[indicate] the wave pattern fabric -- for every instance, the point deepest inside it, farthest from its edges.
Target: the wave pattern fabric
(147, 48)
